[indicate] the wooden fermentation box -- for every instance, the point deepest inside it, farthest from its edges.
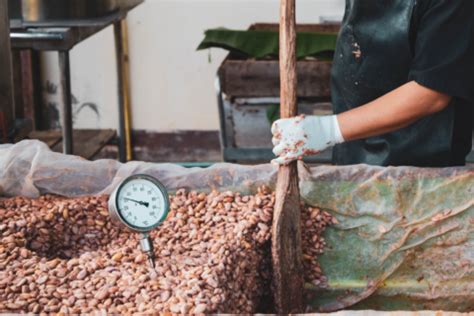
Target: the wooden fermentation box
(249, 87)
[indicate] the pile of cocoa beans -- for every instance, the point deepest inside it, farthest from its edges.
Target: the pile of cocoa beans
(65, 255)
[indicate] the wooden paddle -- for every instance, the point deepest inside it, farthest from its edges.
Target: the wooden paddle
(286, 230)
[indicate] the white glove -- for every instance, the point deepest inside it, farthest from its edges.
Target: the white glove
(304, 135)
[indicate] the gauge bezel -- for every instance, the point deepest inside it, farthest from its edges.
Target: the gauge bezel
(118, 212)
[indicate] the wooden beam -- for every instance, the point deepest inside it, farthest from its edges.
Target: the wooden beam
(260, 78)
(6, 77)
(16, 76)
(286, 230)
(308, 28)
(87, 142)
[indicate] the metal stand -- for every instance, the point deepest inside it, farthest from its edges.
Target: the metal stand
(64, 67)
(121, 48)
(62, 37)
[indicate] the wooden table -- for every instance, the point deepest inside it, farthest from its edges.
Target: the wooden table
(62, 37)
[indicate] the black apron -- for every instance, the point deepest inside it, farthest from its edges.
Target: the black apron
(373, 57)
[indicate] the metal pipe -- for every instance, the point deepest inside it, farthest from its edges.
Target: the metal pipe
(222, 118)
(43, 36)
(65, 74)
(123, 77)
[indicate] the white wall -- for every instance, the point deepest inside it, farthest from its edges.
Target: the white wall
(172, 84)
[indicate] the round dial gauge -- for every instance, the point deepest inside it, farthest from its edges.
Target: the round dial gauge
(140, 202)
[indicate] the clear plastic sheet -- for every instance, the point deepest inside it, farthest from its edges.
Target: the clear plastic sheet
(405, 238)
(30, 169)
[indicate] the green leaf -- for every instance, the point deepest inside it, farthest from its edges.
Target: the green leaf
(273, 113)
(261, 44)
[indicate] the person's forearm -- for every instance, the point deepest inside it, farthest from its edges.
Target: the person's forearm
(391, 112)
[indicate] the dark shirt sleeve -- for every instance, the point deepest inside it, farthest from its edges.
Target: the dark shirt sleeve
(443, 47)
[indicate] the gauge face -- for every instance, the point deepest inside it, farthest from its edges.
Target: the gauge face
(142, 202)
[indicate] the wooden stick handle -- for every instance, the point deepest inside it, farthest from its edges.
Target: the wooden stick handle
(286, 231)
(288, 80)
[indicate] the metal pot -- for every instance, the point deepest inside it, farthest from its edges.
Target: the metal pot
(61, 10)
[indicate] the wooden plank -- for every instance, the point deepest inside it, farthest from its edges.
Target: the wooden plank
(6, 78)
(16, 75)
(260, 78)
(178, 147)
(23, 94)
(311, 28)
(3, 129)
(50, 138)
(29, 87)
(286, 230)
(87, 142)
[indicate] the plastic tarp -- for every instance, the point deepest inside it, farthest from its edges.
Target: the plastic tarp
(405, 238)
(30, 169)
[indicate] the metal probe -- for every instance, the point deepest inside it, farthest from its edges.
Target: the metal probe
(147, 247)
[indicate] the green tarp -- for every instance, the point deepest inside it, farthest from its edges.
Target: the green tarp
(405, 238)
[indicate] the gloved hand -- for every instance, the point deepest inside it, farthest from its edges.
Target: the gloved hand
(304, 135)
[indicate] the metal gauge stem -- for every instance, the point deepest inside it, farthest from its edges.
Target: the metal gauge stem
(147, 247)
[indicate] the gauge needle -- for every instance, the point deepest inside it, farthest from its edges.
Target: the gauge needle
(139, 202)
